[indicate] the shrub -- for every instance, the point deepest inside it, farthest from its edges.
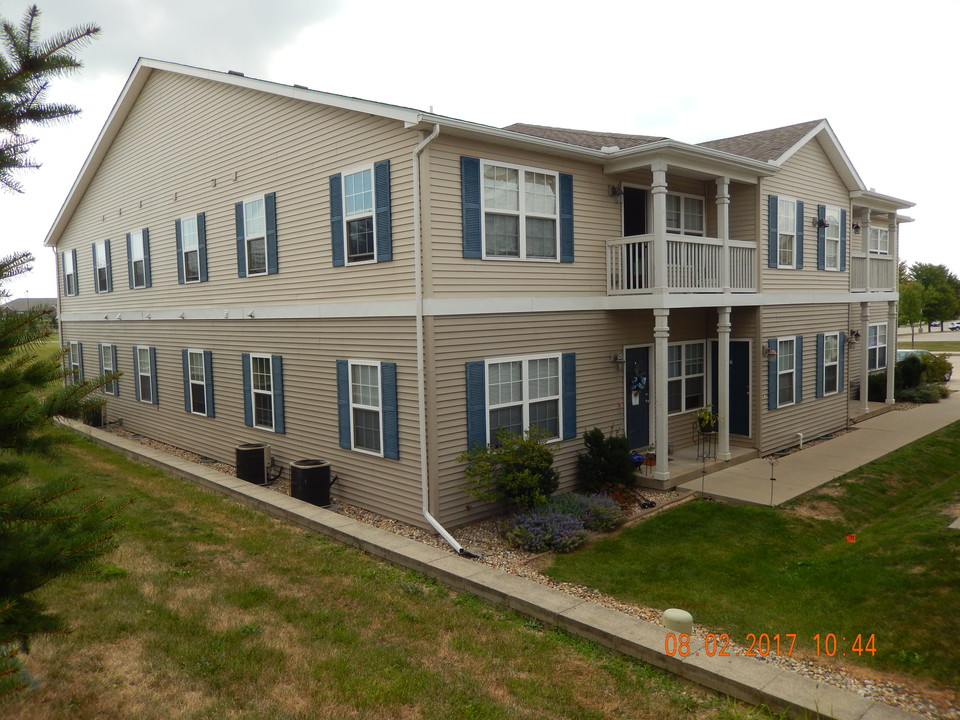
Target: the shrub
(597, 512)
(540, 530)
(516, 468)
(929, 393)
(606, 463)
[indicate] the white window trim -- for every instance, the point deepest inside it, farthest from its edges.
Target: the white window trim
(201, 383)
(781, 371)
(683, 376)
(247, 237)
(358, 216)
(379, 410)
(882, 232)
(183, 242)
(792, 233)
(524, 359)
(69, 273)
(141, 374)
(109, 388)
(521, 213)
(682, 230)
(876, 365)
(826, 364)
(254, 392)
(136, 248)
(100, 253)
(75, 367)
(828, 240)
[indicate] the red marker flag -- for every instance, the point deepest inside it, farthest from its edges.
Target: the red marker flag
(852, 537)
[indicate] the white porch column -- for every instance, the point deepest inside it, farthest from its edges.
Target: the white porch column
(865, 229)
(723, 380)
(723, 229)
(659, 192)
(864, 356)
(661, 332)
(891, 348)
(893, 237)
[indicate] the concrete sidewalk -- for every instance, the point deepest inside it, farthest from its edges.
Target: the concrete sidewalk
(745, 678)
(749, 483)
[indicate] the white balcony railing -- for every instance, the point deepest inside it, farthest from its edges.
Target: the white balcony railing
(880, 276)
(693, 265)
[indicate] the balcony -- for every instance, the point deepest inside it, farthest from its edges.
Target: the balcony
(693, 265)
(870, 273)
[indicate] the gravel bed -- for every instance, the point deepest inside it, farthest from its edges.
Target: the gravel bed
(483, 539)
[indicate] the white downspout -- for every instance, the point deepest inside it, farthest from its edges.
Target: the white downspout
(421, 389)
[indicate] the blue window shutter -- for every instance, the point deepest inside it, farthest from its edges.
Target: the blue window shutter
(773, 243)
(241, 245)
(569, 379)
(100, 356)
(130, 263)
(96, 284)
(247, 390)
(76, 273)
(270, 213)
(202, 245)
(391, 417)
(476, 404)
(820, 358)
(187, 398)
(821, 238)
(798, 364)
(843, 241)
(113, 352)
(772, 390)
(384, 230)
(153, 375)
(109, 259)
(148, 282)
(276, 369)
(470, 209)
(179, 233)
(566, 218)
(343, 403)
(208, 381)
(80, 359)
(63, 267)
(136, 373)
(842, 348)
(799, 262)
(336, 222)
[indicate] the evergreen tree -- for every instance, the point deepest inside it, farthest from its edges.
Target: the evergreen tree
(27, 64)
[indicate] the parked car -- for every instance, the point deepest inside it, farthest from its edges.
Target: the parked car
(923, 355)
(955, 325)
(934, 324)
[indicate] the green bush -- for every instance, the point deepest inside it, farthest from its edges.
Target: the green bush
(598, 512)
(929, 393)
(607, 462)
(516, 468)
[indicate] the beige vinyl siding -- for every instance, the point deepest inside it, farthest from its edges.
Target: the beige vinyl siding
(190, 146)
(812, 416)
(810, 177)
(309, 350)
(743, 213)
(877, 312)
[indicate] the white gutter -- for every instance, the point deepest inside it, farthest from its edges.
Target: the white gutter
(418, 304)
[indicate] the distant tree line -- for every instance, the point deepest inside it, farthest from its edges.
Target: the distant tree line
(928, 294)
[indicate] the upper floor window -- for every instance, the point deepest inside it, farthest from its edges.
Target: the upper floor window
(684, 214)
(102, 272)
(787, 233)
(108, 366)
(520, 212)
(877, 346)
(358, 216)
(263, 392)
(832, 233)
(191, 249)
(138, 255)
(879, 240)
(70, 273)
(256, 220)
(686, 373)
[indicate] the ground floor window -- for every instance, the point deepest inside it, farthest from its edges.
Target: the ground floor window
(831, 363)
(108, 365)
(686, 377)
(262, 392)
(523, 393)
(145, 373)
(877, 346)
(786, 371)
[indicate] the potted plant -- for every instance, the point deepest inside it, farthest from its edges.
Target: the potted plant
(706, 419)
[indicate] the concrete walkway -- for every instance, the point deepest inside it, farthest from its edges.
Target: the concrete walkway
(749, 483)
(745, 678)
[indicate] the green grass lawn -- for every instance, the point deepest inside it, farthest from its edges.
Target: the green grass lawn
(933, 346)
(210, 610)
(790, 570)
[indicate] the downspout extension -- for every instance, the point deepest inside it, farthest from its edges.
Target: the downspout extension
(421, 389)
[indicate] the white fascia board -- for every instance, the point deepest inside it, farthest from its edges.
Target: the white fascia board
(879, 202)
(692, 157)
(314, 311)
(834, 151)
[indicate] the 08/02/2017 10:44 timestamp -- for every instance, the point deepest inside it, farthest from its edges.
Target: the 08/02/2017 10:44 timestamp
(763, 644)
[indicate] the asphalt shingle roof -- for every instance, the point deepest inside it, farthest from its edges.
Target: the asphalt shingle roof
(763, 145)
(583, 138)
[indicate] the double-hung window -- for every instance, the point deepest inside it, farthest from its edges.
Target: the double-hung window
(138, 256)
(877, 346)
(686, 373)
(367, 409)
(524, 393)
(191, 249)
(520, 212)
(787, 233)
(255, 232)
(263, 392)
(831, 363)
(75, 361)
(108, 366)
(832, 232)
(102, 275)
(145, 374)
(879, 241)
(256, 221)
(70, 273)
(786, 371)
(198, 382)
(684, 214)
(358, 216)
(365, 405)
(262, 377)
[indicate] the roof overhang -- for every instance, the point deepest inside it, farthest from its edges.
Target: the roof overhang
(834, 151)
(879, 203)
(689, 158)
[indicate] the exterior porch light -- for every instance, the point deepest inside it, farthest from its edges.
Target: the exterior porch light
(853, 336)
(856, 228)
(618, 358)
(768, 352)
(820, 223)
(616, 191)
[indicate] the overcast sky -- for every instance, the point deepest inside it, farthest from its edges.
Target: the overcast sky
(885, 74)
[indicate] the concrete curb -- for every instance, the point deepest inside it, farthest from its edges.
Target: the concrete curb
(744, 678)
